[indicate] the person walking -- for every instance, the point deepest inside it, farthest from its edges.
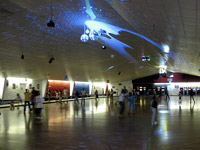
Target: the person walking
(191, 95)
(27, 99)
(154, 104)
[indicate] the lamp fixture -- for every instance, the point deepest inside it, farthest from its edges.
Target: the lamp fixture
(51, 22)
(51, 60)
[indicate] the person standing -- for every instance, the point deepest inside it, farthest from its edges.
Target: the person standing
(27, 98)
(111, 95)
(96, 95)
(76, 96)
(167, 95)
(131, 99)
(49, 95)
(19, 100)
(154, 104)
(180, 96)
(121, 100)
(60, 96)
(191, 95)
(57, 95)
(83, 92)
(65, 92)
(33, 94)
(38, 108)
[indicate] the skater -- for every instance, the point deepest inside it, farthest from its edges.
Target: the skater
(83, 92)
(167, 96)
(191, 95)
(131, 99)
(27, 99)
(38, 108)
(96, 95)
(180, 95)
(65, 92)
(154, 105)
(121, 103)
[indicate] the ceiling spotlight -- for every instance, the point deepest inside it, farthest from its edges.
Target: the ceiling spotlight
(22, 56)
(103, 47)
(51, 60)
(166, 48)
(50, 23)
(145, 58)
(112, 56)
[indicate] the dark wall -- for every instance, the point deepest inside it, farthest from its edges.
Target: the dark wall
(178, 77)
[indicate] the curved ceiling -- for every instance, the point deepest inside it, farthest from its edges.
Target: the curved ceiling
(23, 30)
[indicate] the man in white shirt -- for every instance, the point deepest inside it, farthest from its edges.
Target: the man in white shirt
(65, 92)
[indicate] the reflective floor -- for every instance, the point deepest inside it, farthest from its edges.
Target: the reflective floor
(96, 126)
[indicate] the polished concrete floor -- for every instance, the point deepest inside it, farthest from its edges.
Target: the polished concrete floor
(96, 126)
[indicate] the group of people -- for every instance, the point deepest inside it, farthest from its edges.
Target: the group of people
(33, 100)
(59, 95)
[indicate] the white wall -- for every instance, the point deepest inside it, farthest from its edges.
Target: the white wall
(20, 85)
(99, 86)
(2, 83)
(118, 88)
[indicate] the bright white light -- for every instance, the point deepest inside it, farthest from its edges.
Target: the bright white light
(19, 80)
(84, 38)
(162, 70)
(93, 35)
(87, 31)
(166, 48)
(163, 111)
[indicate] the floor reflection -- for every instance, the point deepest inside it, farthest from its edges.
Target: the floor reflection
(95, 125)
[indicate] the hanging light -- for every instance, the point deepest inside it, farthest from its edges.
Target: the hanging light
(87, 31)
(93, 35)
(84, 38)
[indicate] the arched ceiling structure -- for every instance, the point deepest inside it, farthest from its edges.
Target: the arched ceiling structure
(134, 28)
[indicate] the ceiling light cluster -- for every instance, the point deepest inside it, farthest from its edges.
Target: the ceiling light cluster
(92, 35)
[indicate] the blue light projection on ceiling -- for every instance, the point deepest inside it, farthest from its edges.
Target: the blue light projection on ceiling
(117, 45)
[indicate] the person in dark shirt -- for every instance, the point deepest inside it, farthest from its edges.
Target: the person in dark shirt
(191, 95)
(154, 104)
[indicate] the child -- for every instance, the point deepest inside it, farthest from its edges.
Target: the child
(12, 107)
(131, 99)
(18, 99)
(38, 108)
